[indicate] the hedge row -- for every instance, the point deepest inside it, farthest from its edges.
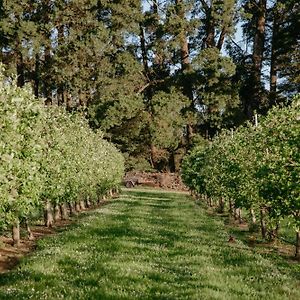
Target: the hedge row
(49, 159)
(256, 168)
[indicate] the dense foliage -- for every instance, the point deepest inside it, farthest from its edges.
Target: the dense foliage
(129, 63)
(48, 156)
(254, 167)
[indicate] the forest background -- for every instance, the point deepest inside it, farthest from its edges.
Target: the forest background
(155, 76)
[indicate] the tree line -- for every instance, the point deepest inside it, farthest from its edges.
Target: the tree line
(254, 168)
(155, 76)
(52, 163)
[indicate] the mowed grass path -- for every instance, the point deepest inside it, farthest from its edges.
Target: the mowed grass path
(149, 245)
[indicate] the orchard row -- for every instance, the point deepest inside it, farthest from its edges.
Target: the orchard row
(254, 168)
(50, 160)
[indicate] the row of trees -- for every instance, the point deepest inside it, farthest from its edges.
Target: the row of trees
(255, 168)
(51, 161)
(154, 74)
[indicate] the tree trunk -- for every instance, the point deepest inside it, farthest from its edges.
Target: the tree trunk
(72, 209)
(253, 217)
(77, 206)
(47, 79)
(81, 204)
(63, 211)
(16, 233)
(20, 69)
(57, 215)
(48, 214)
(30, 234)
(37, 76)
(273, 67)
(221, 38)
(240, 216)
(236, 213)
(209, 28)
(231, 209)
(273, 233)
(297, 253)
(263, 222)
(144, 53)
(87, 202)
(221, 205)
(257, 56)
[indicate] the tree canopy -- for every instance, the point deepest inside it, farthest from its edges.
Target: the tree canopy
(155, 76)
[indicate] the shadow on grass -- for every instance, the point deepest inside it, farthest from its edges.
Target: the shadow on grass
(150, 246)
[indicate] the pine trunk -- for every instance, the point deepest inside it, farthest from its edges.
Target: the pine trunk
(273, 67)
(16, 233)
(37, 76)
(297, 253)
(257, 56)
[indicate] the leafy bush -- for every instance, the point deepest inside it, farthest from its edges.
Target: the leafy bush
(48, 156)
(254, 167)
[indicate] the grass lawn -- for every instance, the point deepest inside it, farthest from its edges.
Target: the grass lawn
(149, 245)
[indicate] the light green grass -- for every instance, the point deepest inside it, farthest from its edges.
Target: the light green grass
(149, 245)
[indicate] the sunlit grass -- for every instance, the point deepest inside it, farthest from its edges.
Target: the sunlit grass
(149, 245)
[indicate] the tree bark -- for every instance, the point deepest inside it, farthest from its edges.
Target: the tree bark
(273, 233)
(87, 202)
(144, 52)
(20, 68)
(77, 206)
(240, 216)
(273, 67)
(221, 38)
(16, 234)
(231, 207)
(209, 27)
(253, 217)
(63, 211)
(57, 214)
(72, 209)
(30, 234)
(257, 55)
(297, 253)
(221, 205)
(263, 223)
(81, 204)
(37, 76)
(48, 214)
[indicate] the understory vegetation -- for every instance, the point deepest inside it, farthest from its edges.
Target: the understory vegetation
(149, 245)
